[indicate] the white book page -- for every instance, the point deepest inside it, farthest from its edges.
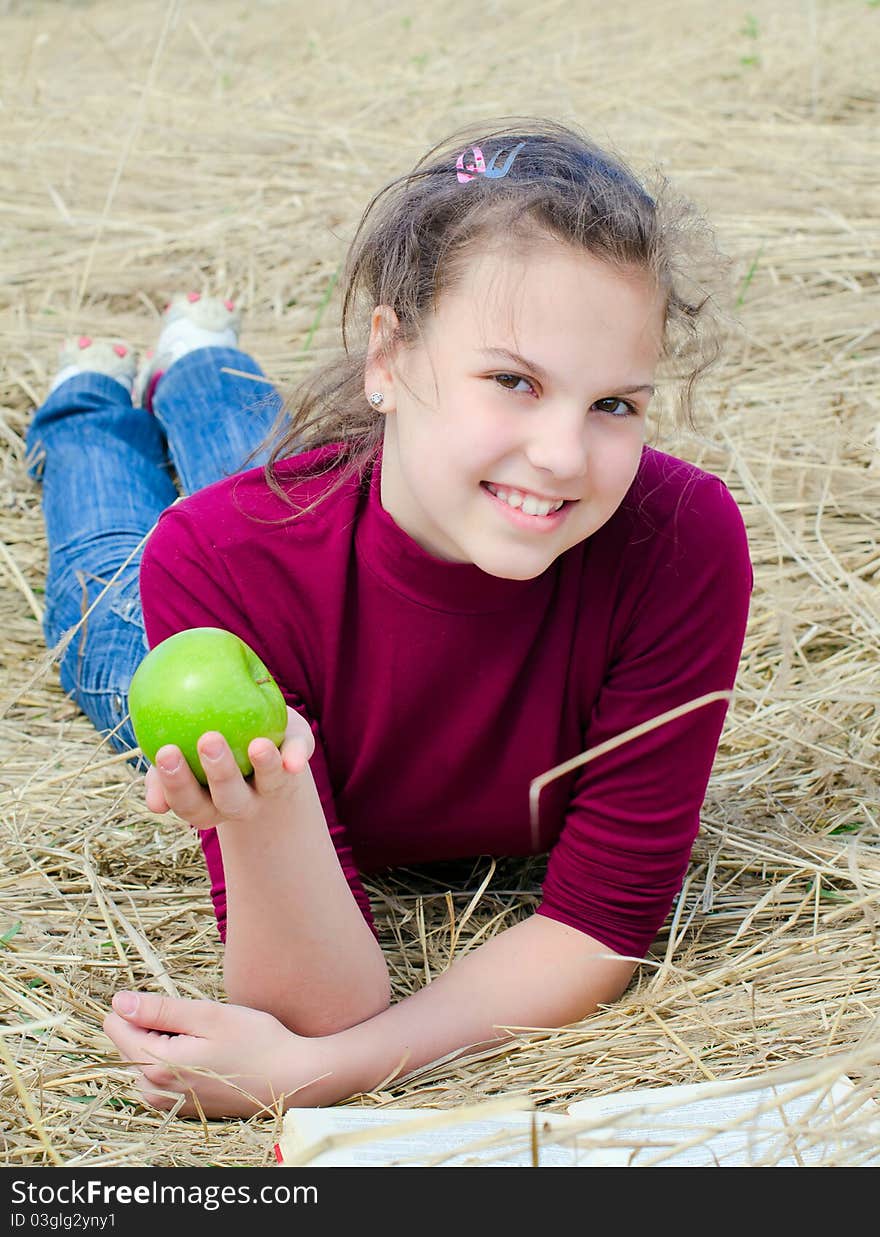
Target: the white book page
(424, 1138)
(721, 1125)
(702, 1125)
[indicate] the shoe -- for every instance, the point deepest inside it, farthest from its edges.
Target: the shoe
(190, 321)
(82, 354)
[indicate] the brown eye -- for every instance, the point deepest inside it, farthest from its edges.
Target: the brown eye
(513, 378)
(615, 408)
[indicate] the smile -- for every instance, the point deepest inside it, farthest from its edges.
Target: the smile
(528, 503)
(525, 510)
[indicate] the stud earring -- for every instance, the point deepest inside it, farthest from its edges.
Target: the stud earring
(376, 398)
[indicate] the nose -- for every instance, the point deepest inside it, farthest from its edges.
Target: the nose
(557, 443)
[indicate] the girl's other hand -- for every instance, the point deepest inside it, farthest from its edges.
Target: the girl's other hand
(171, 785)
(227, 1060)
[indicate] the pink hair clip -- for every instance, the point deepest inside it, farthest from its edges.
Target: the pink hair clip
(479, 167)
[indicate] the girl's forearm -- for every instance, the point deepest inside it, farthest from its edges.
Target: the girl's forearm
(539, 973)
(297, 945)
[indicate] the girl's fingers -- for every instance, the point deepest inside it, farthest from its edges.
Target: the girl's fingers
(182, 791)
(151, 1057)
(299, 728)
(269, 772)
(171, 1015)
(172, 785)
(153, 794)
(131, 1040)
(296, 753)
(227, 789)
(149, 1094)
(227, 795)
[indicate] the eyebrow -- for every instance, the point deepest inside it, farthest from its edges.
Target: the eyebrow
(541, 373)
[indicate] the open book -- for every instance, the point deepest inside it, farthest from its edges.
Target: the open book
(713, 1124)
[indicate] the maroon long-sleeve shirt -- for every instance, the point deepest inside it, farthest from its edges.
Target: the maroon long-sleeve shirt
(436, 692)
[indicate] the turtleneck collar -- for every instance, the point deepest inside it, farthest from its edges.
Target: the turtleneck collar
(414, 573)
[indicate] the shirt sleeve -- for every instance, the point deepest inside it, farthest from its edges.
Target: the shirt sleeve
(634, 813)
(186, 584)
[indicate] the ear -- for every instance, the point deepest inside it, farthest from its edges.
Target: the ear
(378, 372)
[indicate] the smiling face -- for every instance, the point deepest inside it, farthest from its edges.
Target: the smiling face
(470, 466)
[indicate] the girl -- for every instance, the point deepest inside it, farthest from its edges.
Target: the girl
(463, 565)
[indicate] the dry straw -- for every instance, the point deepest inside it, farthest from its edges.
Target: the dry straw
(232, 149)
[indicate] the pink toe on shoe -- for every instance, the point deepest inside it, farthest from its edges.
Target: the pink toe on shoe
(230, 305)
(192, 297)
(120, 349)
(84, 341)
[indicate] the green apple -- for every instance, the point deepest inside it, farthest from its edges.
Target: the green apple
(202, 679)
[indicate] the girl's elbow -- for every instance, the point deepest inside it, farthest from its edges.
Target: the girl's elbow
(350, 1014)
(326, 1016)
(381, 999)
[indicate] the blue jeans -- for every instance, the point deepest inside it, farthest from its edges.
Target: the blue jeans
(106, 472)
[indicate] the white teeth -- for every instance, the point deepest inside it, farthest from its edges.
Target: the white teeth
(529, 504)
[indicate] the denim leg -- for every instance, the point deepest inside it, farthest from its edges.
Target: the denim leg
(106, 479)
(212, 419)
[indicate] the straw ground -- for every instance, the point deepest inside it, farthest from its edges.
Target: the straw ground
(153, 146)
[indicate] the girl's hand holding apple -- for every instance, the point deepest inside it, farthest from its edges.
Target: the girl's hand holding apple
(171, 784)
(208, 714)
(201, 679)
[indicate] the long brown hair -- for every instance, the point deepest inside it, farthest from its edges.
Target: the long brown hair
(415, 236)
